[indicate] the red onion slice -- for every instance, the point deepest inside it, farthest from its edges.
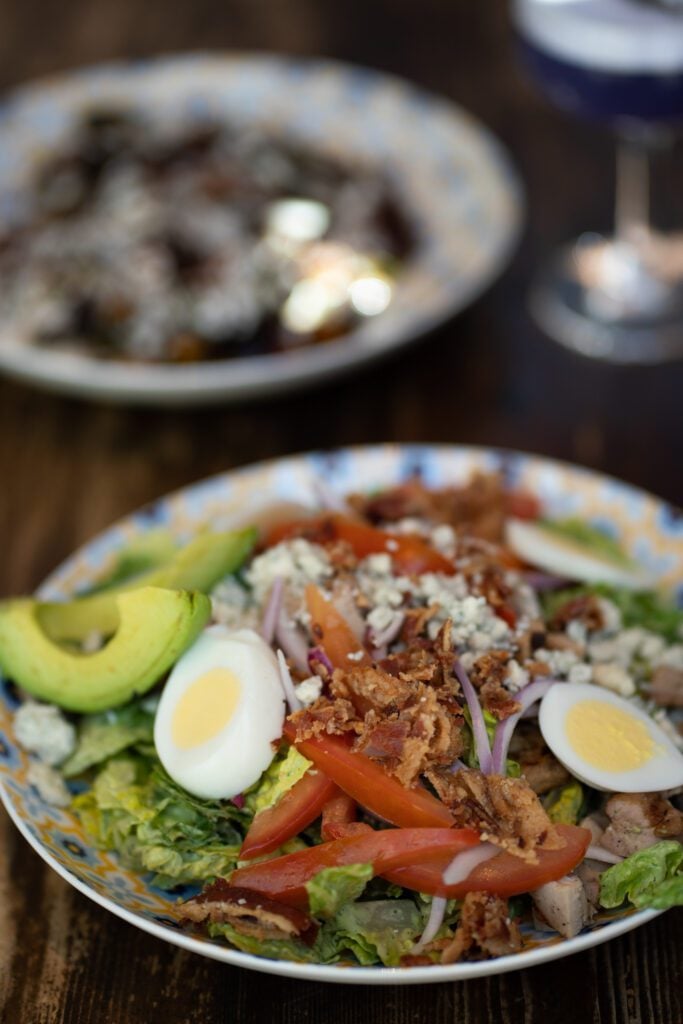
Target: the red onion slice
(599, 853)
(293, 702)
(545, 580)
(527, 696)
(434, 922)
(317, 656)
(481, 739)
(291, 641)
(381, 638)
(463, 864)
(272, 609)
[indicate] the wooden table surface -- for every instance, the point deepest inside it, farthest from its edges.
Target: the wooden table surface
(68, 469)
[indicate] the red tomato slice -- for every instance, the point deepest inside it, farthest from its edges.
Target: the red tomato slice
(294, 811)
(284, 878)
(370, 785)
(333, 631)
(410, 554)
(338, 813)
(503, 875)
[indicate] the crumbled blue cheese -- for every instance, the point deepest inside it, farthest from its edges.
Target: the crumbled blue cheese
(231, 606)
(672, 656)
(560, 662)
(297, 561)
(43, 730)
(516, 677)
(410, 524)
(614, 677)
(577, 632)
(525, 599)
(49, 784)
(443, 538)
(611, 616)
(308, 690)
(382, 618)
(664, 721)
(581, 673)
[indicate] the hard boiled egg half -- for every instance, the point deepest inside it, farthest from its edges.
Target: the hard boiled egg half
(220, 713)
(608, 742)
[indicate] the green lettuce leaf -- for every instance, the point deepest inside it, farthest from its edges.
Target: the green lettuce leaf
(284, 771)
(648, 878)
(137, 810)
(380, 931)
(332, 888)
(102, 736)
(272, 949)
(563, 805)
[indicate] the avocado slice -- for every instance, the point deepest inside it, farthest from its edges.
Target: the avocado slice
(154, 627)
(196, 566)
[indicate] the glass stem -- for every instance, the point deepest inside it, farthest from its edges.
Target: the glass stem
(632, 214)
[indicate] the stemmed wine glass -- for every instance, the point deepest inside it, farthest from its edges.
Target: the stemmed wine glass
(619, 62)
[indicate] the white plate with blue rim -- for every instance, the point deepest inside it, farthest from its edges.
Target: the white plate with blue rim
(452, 178)
(650, 530)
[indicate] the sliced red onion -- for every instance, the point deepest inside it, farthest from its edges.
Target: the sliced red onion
(291, 641)
(481, 740)
(458, 765)
(383, 637)
(272, 609)
(599, 853)
(463, 864)
(544, 580)
(434, 922)
(317, 656)
(293, 702)
(527, 696)
(238, 800)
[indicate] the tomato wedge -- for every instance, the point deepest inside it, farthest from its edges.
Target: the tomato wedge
(339, 818)
(284, 878)
(410, 554)
(333, 631)
(503, 875)
(294, 811)
(368, 784)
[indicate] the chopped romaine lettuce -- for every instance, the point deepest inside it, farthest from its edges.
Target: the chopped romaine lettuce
(272, 949)
(649, 878)
(103, 735)
(563, 805)
(137, 810)
(284, 771)
(333, 888)
(381, 930)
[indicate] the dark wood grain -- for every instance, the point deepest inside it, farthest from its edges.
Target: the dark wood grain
(68, 469)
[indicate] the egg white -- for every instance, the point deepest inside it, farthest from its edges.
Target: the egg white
(233, 759)
(664, 770)
(565, 557)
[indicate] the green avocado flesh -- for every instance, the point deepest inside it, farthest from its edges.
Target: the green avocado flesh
(197, 566)
(154, 627)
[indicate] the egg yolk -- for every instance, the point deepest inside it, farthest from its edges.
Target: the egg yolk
(607, 737)
(205, 708)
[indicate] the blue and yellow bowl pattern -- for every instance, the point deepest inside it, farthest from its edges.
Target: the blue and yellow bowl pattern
(649, 529)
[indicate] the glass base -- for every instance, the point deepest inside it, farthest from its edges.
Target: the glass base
(614, 301)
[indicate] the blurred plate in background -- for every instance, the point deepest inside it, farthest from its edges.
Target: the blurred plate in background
(452, 179)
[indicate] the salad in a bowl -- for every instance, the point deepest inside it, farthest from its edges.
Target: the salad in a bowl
(386, 732)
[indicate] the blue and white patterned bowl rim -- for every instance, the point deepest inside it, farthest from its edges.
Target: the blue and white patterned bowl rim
(454, 178)
(650, 529)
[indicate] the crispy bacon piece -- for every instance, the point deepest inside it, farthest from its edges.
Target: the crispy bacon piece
(505, 811)
(249, 913)
(485, 929)
(487, 675)
(477, 508)
(325, 716)
(584, 608)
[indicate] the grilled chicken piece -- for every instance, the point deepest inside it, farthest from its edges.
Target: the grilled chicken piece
(666, 686)
(562, 905)
(639, 820)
